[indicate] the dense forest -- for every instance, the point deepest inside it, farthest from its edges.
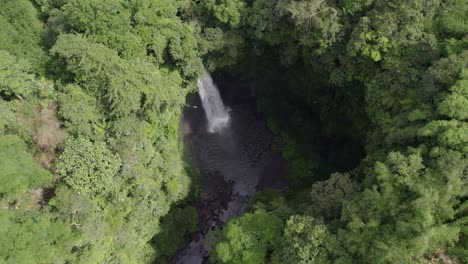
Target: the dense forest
(369, 99)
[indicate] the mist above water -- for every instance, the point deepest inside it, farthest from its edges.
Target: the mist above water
(216, 113)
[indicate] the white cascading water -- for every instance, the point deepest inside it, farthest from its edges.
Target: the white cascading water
(216, 113)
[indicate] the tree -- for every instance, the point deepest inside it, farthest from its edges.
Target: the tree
(174, 226)
(307, 241)
(327, 197)
(460, 250)
(318, 21)
(89, 168)
(22, 33)
(354, 6)
(33, 237)
(123, 86)
(18, 119)
(453, 21)
(249, 238)
(108, 22)
(226, 11)
(455, 103)
(19, 170)
(263, 18)
(102, 72)
(15, 76)
(402, 215)
(81, 113)
(168, 40)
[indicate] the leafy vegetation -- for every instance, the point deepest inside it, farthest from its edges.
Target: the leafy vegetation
(368, 97)
(174, 226)
(20, 171)
(248, 239)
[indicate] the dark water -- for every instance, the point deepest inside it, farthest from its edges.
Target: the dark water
(234, 163)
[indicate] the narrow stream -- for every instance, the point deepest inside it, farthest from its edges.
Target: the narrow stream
(234, 162)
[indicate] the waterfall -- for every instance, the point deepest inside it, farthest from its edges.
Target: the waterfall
(216, 113)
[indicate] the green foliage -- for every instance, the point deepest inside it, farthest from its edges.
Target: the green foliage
(87, 167)
(409, 59)
(263, 21)
(120, 79)
(460, 250)
(97, 17)
(268, 200)
(454, 22)
(321, 69)
(21, 32)
(32, 237)
(249, 238)
(306, 240)
(81, 114)
(132, 28)
(110, 81)
(407, 203)
(318, 21)
(15, 78)
(174, 226)
(368, 42)
(354, 6)
(451, 134)
(17, 118)
(226, 11)
(109, 22)
(455, 104)
(327, 197)
(167, 39)
(120, 83)
(19, 170)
